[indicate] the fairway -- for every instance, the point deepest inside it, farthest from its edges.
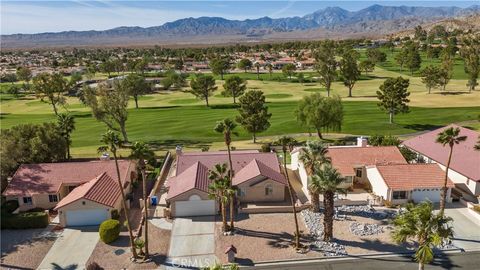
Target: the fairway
(168, 118)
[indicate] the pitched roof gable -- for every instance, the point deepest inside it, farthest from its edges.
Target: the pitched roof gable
(411, 176)
(345, 159)
(465, 159)
(47, 178)
(102, 189)
(257, 168)
(194, 177)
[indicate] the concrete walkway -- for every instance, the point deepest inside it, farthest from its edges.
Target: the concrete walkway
(192, 243)
(72, 249)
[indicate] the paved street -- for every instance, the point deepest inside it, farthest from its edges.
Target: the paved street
(192, 242)
(465, 261)
(72, 249)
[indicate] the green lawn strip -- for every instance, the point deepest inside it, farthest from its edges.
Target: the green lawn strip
(193, 125)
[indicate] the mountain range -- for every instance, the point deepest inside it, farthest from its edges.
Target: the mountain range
(328, 22)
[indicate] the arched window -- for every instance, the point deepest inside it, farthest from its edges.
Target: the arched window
(268, 190)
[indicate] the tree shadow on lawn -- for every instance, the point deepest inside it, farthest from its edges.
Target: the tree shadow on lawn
(421, 127)
(163, 145)
(452, 93)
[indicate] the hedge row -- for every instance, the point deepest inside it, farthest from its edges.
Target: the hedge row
(28, 220)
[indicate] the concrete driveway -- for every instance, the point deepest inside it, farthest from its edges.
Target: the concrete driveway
(466, 228)
(72, 249)
(192, 243)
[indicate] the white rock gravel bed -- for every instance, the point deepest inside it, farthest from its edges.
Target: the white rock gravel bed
(364, 229)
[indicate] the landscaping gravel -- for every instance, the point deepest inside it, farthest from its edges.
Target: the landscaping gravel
(312, 222)
(330, 249)
(363, 229)
(314, 225)
(366, 211)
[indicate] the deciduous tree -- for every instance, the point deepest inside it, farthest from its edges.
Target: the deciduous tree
(51, 87)
(321, 113)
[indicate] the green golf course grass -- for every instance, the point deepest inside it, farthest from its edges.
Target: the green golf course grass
(190, 125)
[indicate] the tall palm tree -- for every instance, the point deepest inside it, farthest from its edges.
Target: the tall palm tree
(428, 229)
(218, 190)
(112, 143)
(313, 156)
(451, 137)
(66, 125)
(257, 66)
(227, 128)
(287, 144)
(141, 153)
(328, 179)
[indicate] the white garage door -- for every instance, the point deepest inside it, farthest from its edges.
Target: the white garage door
(86, 217)
(421, 195)
(194, 207)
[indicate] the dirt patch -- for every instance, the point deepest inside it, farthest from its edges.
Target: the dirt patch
(24, 248)
(267, 237)
(117, 255)
(262, 237)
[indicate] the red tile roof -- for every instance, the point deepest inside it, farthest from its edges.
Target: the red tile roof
(192, 169)
(411, 176)
(257, 168)
(240, 159)
(46, 178)
(102, 189)
(465, 160)
(345, 159)
(195, 177)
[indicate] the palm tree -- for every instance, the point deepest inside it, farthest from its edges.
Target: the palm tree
(451, 137)
(287, 143)
(141, 153)
(227, 128)
(419, 223)
(218, 189)
(313, 156)
(257, 66)
(327, 180)
(112, 142)
(270, 69)
(66, 125)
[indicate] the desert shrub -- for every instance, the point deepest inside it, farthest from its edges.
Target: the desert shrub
(27, 220)
(266, 147)
(109, 230)
(10, 206)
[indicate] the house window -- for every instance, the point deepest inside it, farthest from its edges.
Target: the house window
(27, 200)
(399, 195)
(241, 192)
(358, 172)
(53, 198)
(348, 180)
(268, 190)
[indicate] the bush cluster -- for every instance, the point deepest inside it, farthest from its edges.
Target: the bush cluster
(27, 220)
(109, 230)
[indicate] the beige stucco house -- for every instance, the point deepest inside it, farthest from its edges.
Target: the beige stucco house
(83, 193)
(257, 177)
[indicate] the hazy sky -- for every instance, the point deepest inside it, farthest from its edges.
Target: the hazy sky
(53, 16)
